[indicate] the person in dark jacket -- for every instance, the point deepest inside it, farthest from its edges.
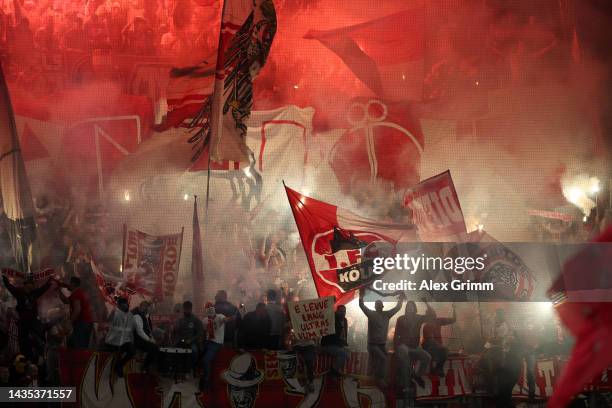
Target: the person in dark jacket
(407, 348)
(336, 344)
(277, 321)
(143, 339)
(254, 328)
(5, 377)
(378, 327)
(227, 309)
(189, 331)
(31, 336)
(432, 340)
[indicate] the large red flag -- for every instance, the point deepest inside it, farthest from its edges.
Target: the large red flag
(334, 240)
(386, 54)
(583, 294)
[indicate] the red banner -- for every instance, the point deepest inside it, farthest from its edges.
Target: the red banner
(151, 263)
(335, 240)
(435, 208)
(272, 379)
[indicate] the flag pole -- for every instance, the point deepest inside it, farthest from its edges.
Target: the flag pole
(207, 190)
(197, 266)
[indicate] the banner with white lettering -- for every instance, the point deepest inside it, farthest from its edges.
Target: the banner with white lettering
(151, 263)
(435, 208)
(312, 319)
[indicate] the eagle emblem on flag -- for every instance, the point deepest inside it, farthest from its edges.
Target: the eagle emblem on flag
(243, 50)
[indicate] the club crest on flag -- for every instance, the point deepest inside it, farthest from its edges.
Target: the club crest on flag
(510, 275)
(507, 271)
(340, 246)
(343, 259)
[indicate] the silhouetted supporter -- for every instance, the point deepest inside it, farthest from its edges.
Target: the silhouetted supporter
(432, 340)
(277, 320)
(407, 347)
(138, 37)
(228, 309)
(189, 331)
(378, 327)
(336, 344)
(254, 328)
(31, 335)
(5, 376)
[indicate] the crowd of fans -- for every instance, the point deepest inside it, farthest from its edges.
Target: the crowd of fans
(133, 336)
(138, 27)
(76, 316)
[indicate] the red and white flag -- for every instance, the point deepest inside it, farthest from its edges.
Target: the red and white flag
(188, 89)
(97, 137)
(335, 241)
(386, 54)
(151, 263)
(247, 30)
(435, 208)
(98, 145)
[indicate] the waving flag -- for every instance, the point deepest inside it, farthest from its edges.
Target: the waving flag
(386, 54)
(334, 240)
(435, 208)
(188, 89)
(247, 31)
(14, 188)
(583, 300)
